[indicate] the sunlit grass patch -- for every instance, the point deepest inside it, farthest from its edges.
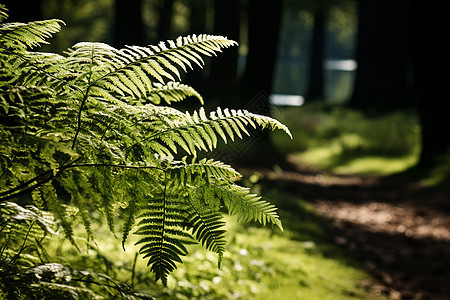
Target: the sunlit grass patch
(328, 158)
(346, 141)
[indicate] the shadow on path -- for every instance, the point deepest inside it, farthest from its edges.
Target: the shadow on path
(399, 232)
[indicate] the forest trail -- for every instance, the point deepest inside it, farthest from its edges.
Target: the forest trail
(398, 231)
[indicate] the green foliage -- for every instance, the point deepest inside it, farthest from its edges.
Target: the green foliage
(84, 132)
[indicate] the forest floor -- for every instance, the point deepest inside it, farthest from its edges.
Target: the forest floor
(399, 231)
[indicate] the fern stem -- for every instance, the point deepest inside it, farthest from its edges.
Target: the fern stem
(161, 244)
(133, 269)
(83, 102)
(16, 257)
(10, 194)
(36, 178)
(30, 188)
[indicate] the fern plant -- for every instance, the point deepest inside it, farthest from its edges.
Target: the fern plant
(88, 130)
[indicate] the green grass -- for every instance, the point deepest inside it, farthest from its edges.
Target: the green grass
(329, 158)
(347, 142)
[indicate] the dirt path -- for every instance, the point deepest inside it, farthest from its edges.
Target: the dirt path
(399, 232)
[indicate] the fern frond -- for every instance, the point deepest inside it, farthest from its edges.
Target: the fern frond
(196, 131)
(76, 124)
(239, 201)
(163, 239)
(133, 70)
(30, 35)
(205, 170)
(11, 211)
(172, 92)
(3, 12)
(208, 228)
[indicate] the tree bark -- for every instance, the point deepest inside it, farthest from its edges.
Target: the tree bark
(429, 53)
(263, 35)
(382, 80)
(264, 18)
(165, 20)
(197, 25)
(128, 23)
(316, 74)
(222, 80)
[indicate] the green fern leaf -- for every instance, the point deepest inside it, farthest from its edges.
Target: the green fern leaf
(33, 34)
(171, 92)
(246, 206)
(164, 239)
(208, 228)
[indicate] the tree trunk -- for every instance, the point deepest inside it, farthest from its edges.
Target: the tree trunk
(165, 20)
(222, 80)
(382, 79)
(128, 23)
(263, 32)
(316, 74)
(429, 53)
(197, 77)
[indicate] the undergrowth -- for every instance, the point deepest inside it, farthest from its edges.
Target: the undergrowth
(259, 262)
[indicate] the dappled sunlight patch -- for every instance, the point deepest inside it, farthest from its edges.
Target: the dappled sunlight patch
(328, 158)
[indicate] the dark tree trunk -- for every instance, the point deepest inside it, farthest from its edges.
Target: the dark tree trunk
(128, 23)
(222, 80)
(430, 53)
(197, 77)
(263, 32)
(316, 73)
(382, 80)
(23, 11)
(198, 16)
(264, 18)
(165, 20)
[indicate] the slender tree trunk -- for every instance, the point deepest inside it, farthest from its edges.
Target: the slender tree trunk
(222, 80)
(128, 23)
(198, 16)
(165, 19)
(316, 73)
(197, 77)
(263, 35)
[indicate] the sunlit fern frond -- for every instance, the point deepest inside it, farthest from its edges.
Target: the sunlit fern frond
(172, 92)
(208, 228)
(30, 35)
(25, 215)
(204, 170)
(87, 126)
(134, 70)
(3, 13)
(197, 132)
(164, 238)
(245, 205)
